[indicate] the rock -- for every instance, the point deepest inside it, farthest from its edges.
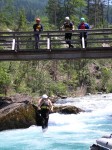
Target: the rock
(19, 112)
(95, 147)
(5, 101)
(17, 115)
(99, 93)
(67, 109)
(20, 98)
(63, 97)
(88, 94)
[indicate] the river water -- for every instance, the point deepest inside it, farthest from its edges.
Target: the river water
(66, 132)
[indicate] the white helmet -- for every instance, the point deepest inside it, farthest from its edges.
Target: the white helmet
(67, 18)
(44, 96)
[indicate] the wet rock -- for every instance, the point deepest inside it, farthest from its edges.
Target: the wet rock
(19, 112)
(4, 101)
(17, 115)
(67, 109)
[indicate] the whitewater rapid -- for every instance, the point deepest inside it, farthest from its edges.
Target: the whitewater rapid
(68, 132)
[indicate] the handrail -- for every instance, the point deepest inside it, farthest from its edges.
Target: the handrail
(57, 31)
(25, 40)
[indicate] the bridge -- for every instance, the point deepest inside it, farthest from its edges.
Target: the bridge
(21, 45)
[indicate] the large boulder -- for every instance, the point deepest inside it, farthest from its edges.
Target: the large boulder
(67, 109)
(16, 116)
(19, 112)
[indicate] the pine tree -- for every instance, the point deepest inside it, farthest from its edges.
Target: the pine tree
(22, 22)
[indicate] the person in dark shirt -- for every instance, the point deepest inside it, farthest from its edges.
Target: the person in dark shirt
(68, 26)
(45, 106)
(38, 27)
(83, 26)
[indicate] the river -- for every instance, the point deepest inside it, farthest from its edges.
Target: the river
(66, 132)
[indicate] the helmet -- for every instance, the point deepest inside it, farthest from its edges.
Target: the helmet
(44, 96)
(67, 18)
(37, 20)
(82, 19)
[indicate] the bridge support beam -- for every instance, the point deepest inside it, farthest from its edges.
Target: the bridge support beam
(44, 54)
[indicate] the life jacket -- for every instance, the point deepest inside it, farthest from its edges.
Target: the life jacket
(68, 26)
(38, 27)
(45, 105)
(82, 26)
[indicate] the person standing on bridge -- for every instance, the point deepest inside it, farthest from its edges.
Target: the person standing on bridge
(83, 26)
(68, 26)
(38, 27)
(45, 106)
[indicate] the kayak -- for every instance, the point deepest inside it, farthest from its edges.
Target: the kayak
(103, 143)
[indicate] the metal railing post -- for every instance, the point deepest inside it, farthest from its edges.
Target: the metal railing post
(13, 44)
(48, 42)
(83, 40)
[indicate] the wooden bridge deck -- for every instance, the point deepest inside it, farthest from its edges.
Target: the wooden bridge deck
(20, 45)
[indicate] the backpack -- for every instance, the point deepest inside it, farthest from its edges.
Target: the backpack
(82, 26)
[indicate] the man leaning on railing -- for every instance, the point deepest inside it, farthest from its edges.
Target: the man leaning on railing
(38, 27)
(83, 35)
(68, 26)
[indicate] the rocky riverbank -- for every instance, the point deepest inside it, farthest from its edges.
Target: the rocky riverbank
(19, 112)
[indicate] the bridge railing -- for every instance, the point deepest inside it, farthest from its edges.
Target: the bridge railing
(54, 39)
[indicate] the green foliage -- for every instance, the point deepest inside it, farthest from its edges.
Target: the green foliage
(58, 88)
(94, 11)
(109, 86)
(13, 12)
(106, 74)
(6, 12)
(1, 47)
(46, 24)
(57, 10)
(4, 77)
(4, 80)
(52, 77)
(33, 8)
(22, 22)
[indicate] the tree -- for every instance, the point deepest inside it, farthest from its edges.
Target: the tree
(96, 10)
(53, 11)
(57, 10)
(22, 22)
(6, 12)
(4, 80)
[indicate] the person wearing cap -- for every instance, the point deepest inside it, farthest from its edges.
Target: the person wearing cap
(45, 106)
(82, 26)
(68, 26)
(38, 27)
